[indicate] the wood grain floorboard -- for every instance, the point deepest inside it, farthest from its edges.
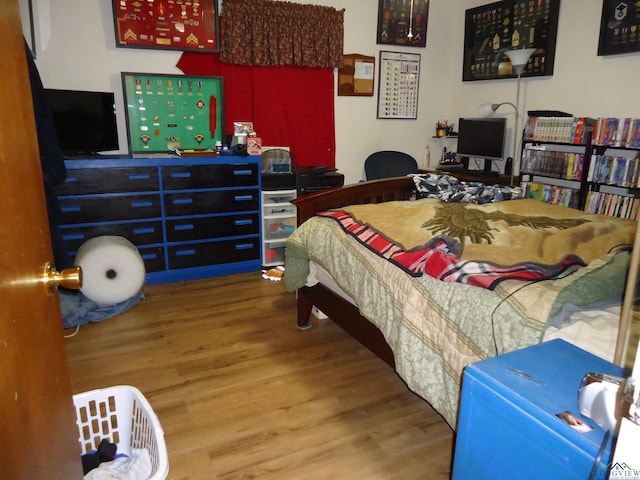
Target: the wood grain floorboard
(242, 393)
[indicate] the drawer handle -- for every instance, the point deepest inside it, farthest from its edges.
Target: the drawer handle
(139, 176)
(184, 226)
(181, 175)
(243, 198)
(71, 208)
(141, 230)
(149, 256)
(239, 173)
(73, 236)
(182, 201)
(141, 204)
(184, 253)
(243, 222)
(244, 246)
(71, 179)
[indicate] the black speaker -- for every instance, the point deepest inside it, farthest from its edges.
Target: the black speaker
(508, 166)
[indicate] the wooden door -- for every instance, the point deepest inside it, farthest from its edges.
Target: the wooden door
(38, 435)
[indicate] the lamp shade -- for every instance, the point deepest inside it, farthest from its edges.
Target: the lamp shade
(487, 109)
(519, 58)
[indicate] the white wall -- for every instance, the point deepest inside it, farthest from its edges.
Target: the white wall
(78, 51)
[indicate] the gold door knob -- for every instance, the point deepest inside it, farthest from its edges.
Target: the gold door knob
(68, 278)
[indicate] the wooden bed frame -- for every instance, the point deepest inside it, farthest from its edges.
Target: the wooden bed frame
(335, 307)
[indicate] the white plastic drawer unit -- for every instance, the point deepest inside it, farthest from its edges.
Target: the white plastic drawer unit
(278, 222)
(278, 209)
(278, 228)
(278, 202)
(278, 196)
(273, 253)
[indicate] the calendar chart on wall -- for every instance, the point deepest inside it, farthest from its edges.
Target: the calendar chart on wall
(398, 85)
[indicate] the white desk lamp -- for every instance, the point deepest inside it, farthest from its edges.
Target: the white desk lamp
(519, 59)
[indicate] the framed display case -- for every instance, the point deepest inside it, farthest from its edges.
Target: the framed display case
(188, 25)
(403, 22)
(619, 28)
(492, 29)
(172, 112)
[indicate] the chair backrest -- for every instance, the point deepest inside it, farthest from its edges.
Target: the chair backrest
(389, 163)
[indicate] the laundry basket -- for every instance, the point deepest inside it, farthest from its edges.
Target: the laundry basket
(121, 415)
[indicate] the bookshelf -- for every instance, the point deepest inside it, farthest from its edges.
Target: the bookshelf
(584, 163)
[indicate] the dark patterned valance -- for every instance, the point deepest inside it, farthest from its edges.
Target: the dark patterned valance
(274, 33)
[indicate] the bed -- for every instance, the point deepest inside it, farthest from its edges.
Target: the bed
(429, 326)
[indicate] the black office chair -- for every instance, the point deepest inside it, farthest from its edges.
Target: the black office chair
(389, 163)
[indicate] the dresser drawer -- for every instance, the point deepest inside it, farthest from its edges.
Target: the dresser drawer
(108, 208)
(153, 258)
(209, 176)
(109, 180)
(213, 253)
(220, 201)
(142, 233)
(210, 227)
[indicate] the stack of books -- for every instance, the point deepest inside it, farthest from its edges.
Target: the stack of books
(553, 194)
(559, 129)
(611, 204)
(539, 161)
(613, 170)
(617, 132)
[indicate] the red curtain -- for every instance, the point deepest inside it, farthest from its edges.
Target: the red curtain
(289, 106)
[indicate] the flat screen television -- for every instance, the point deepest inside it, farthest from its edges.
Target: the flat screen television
(85, 121)
(482, 138)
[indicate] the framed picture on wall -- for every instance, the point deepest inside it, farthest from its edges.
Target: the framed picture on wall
(399, 74)
(619, 27)
(403, 22)
(167, 25)
(172, 112)
(492, 29)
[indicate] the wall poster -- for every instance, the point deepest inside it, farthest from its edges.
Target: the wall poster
(398, 85)
(492, 29)
(403, 22)
(187, 25)
(619, 27)
(172, 112)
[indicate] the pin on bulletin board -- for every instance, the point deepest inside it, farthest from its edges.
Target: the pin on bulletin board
(355, 77)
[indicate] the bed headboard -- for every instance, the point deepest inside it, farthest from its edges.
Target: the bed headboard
(374, 191)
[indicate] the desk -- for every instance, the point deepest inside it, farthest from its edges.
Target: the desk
(467, 177)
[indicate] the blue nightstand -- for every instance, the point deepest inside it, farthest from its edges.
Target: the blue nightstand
(508, 425)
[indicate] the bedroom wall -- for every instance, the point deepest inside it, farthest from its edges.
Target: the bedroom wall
(77, 51)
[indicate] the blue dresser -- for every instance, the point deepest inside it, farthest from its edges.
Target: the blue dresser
(508, 425)
(190, 218)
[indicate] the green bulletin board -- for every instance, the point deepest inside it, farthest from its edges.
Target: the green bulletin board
(169, 112)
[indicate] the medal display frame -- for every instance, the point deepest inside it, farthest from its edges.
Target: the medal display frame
(492, 29)
(173, 112)
(186, 25)
(619, 28)
(402, 23)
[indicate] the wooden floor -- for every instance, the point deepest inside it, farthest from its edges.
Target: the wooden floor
(242, 393)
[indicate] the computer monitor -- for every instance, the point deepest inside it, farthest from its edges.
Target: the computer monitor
(482, 138)
(85, 121)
